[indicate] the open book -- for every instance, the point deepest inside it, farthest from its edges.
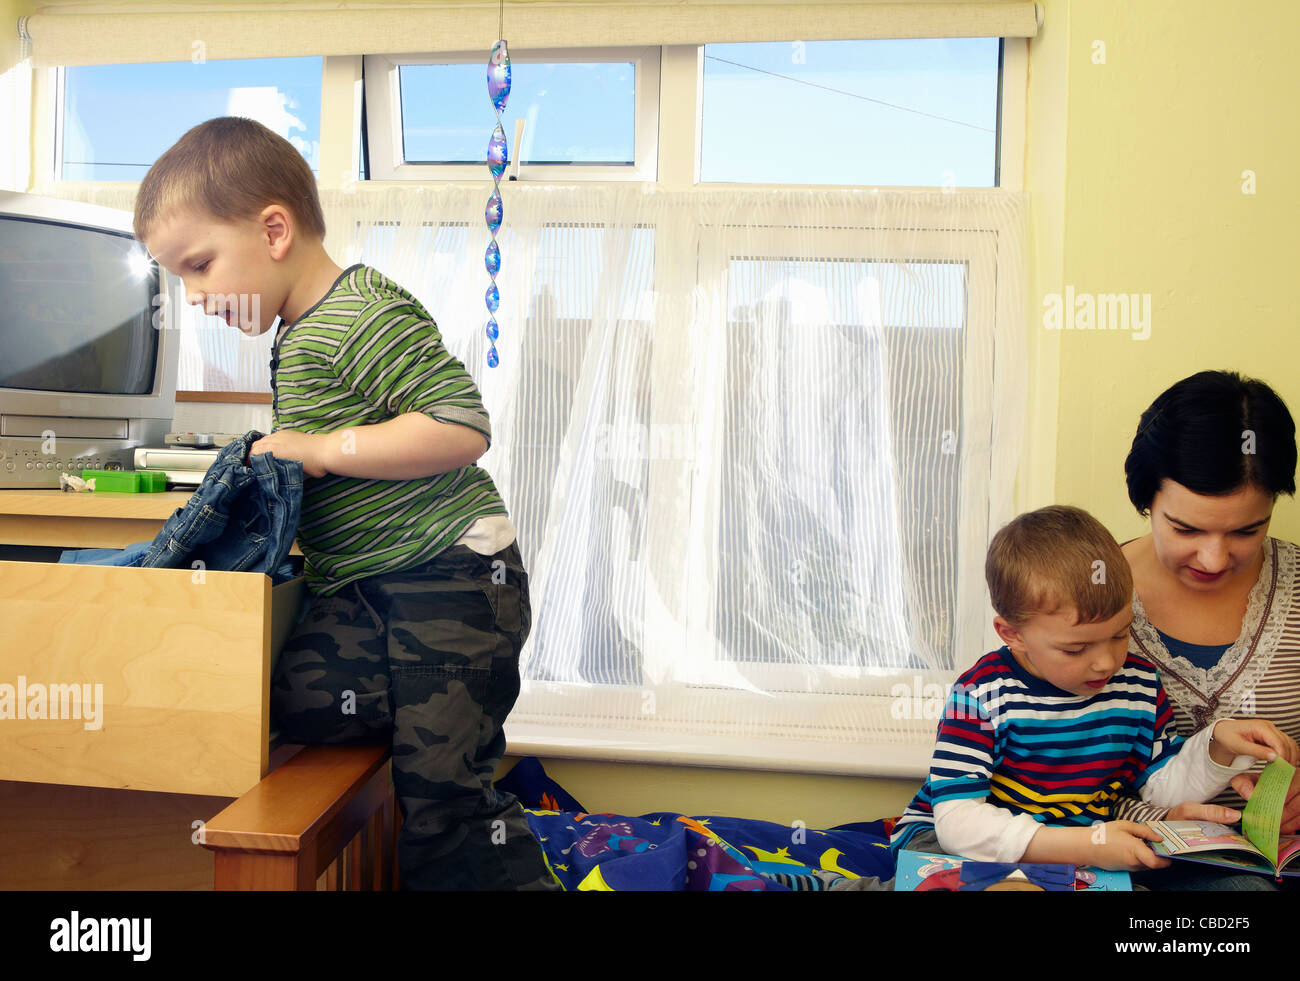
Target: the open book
(1257, 847)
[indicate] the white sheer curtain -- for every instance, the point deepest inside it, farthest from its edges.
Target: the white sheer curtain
(754, 443)
(751, 441)
(15, 119)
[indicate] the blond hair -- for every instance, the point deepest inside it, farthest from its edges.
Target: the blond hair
(1055, 558)
(231, 168)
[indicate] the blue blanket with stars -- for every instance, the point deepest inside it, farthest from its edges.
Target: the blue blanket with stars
(666, 851)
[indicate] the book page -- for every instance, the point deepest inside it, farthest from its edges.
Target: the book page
(1183, 837)
(1261, 821)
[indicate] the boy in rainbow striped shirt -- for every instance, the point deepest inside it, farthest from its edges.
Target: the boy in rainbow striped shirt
(1040, 737)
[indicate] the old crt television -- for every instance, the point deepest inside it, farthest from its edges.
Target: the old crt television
(88, 349)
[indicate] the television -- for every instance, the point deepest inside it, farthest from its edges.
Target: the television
(88, 348)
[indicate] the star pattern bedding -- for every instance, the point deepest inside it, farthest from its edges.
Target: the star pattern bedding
(665, 851)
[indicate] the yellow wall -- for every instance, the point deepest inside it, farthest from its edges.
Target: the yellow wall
(1047, 119)
(1192, 93)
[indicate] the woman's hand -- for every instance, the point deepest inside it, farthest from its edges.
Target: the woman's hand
(1250, 737)
(1244, 784)
(1193, 811)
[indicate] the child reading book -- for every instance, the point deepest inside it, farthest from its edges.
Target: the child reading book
(1040, 737)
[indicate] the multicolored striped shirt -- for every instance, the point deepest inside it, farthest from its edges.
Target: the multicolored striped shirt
(366, 353)
(1024, 745)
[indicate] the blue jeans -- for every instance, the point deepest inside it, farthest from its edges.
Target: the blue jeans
(241, 518)
(133, 556)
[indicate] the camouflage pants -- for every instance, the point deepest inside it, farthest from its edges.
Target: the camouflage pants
(430, 655)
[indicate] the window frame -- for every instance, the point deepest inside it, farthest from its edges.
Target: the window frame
(562, 717)
(677, 129)
(925, 243)
(384, 116)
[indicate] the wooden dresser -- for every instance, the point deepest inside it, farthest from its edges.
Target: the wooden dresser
(155, 690)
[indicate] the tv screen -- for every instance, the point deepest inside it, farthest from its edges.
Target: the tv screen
(77, 310)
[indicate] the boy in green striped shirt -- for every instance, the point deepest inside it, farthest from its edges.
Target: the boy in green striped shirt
(419, 600)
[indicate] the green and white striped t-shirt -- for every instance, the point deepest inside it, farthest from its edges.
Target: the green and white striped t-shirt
(366, 353)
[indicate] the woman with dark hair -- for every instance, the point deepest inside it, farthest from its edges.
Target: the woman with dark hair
(1216, 600)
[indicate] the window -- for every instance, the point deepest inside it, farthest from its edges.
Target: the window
(747, 438)
(747, 441)
(919, 113)
(116, 120)
(430, 117)
(859, 424)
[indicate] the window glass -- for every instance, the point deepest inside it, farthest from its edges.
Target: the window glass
(869, 378)
(119, 119)
(918, 113)
(447, 116)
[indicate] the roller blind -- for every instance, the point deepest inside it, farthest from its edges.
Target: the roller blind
(124, 33)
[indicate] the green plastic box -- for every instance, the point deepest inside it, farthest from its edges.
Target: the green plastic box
(127, 481)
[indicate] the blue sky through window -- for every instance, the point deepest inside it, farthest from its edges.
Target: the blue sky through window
(877, 113)
(899, 112)
(447, 115)
(119, 119)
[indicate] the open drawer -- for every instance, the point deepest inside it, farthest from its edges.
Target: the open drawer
(139, 679)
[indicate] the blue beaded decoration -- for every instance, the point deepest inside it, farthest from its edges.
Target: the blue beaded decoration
(498, 156)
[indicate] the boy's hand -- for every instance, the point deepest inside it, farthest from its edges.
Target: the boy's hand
(289, 444)
(1121, 846)
(1250, 737)
(1244, 784)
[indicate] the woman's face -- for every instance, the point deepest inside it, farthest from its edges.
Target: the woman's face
(1209, 543)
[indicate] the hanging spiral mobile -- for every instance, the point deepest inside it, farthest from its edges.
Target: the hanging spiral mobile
(498, 83)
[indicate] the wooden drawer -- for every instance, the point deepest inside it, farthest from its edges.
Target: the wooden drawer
(98, 520)
(178, 663)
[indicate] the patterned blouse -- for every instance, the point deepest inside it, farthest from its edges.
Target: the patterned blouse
(1258, 676)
